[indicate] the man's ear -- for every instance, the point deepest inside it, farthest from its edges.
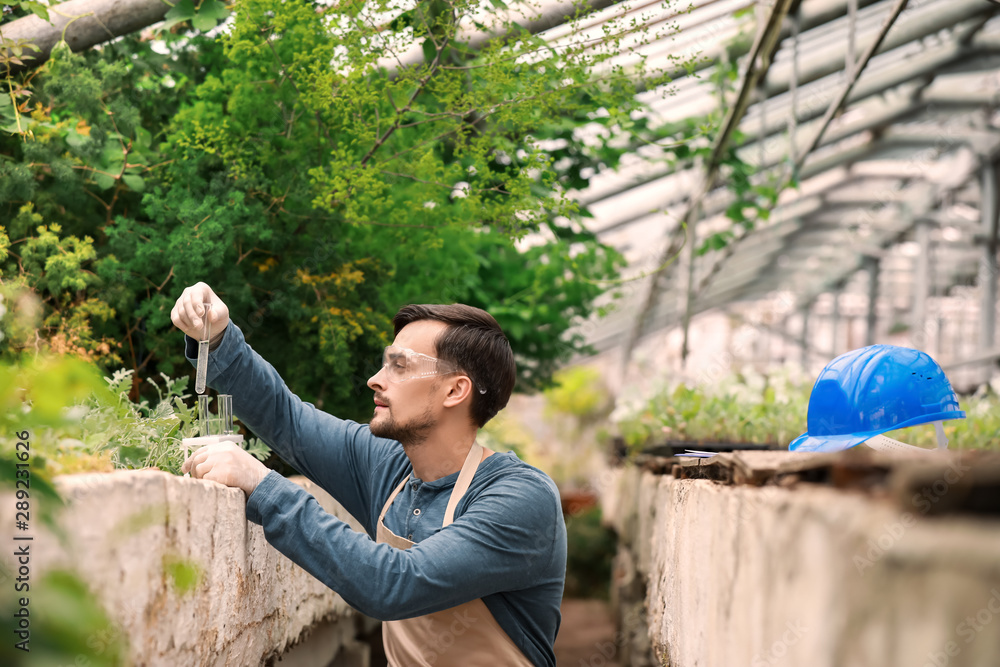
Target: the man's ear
(459, 389)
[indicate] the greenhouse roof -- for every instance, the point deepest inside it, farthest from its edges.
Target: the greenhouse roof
(879, 147)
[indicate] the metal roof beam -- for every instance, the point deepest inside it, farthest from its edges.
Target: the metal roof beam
(840, 98)
(920, 22)
(759, 59)
(908, 97)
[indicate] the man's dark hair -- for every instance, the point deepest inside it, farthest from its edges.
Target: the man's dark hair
(476, 344)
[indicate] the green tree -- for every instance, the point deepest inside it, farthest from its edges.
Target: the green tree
(318, 186)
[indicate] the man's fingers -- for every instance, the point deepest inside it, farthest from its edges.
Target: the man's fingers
(199, 456)
(227, 464)
(202, 469)
(189, 312)
(190, 298)
(190, 463)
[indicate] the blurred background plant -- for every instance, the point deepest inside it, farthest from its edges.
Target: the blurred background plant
(81, 422)
(748, 407)
(42, 399)
(576, 407)
(562, 432)
(199, 151)
(591, 549)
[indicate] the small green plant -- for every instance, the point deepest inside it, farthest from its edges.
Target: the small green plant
(579, 392)
(144, 435)
(140, 435)
(69, 625)
(82, 427)
(748, 407)
(591, 548)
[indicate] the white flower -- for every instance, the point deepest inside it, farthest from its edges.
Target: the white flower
(75, 413)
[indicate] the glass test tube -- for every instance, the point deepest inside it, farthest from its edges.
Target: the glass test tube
(206, 336)
(225, 405)
(204, 416)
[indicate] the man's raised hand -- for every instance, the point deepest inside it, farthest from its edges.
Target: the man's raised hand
(187, 313)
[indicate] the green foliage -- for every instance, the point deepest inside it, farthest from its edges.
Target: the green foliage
(315, 183)
(205, 16)
(67, 621)
(36, 392)
(979, 430)
(740, 407)
(579, 391)
(749, 407)
(555, 294)
(21, 8)
(590, 550)
(81, 153)
(184, 575)
(140, 435)
(69, 626)
(80, 423)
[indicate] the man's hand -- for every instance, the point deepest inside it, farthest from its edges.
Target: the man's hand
(190, 308)
(227, 463)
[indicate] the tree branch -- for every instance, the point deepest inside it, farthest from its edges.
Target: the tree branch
(85, 23)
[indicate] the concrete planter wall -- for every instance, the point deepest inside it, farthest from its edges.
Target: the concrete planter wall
(188, 578)
(722, 573)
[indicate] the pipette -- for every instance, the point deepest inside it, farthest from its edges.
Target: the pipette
(206, 336)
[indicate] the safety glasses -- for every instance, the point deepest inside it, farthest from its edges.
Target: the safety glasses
(402, 364)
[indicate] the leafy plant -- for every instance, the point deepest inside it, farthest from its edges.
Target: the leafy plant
(749, 407)
(140, 435)
(69, 625)
(314, 181)
(591, 550)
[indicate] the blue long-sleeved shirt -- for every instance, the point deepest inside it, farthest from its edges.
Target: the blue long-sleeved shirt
(507, 544)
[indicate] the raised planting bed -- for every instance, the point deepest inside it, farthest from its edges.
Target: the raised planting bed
(784, 558)
(183, 577)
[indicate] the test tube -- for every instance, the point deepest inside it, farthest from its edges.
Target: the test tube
(204, 416)
(225, 403)
(206, 336)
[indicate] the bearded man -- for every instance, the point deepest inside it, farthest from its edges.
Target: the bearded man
(464, 551)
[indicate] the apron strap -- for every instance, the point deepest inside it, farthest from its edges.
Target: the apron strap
(463, 482)
(392, 497)
(461, 485)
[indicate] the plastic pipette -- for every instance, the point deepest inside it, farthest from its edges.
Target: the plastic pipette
(206, 336)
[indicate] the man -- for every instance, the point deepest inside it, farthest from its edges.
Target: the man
(465, 552)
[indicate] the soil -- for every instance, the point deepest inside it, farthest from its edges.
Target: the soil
(586, 636)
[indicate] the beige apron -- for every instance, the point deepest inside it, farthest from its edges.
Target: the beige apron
(463, 636)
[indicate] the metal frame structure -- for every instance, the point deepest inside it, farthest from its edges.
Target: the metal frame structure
(885, 111)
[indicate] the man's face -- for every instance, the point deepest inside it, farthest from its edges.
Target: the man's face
(407, 411)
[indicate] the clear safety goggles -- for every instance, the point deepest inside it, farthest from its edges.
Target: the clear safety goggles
(402, 364)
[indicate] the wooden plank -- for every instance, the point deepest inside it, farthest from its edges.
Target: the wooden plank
(928, 482)
(963, 482)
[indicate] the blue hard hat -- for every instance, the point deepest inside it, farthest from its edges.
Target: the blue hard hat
(866, 392)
